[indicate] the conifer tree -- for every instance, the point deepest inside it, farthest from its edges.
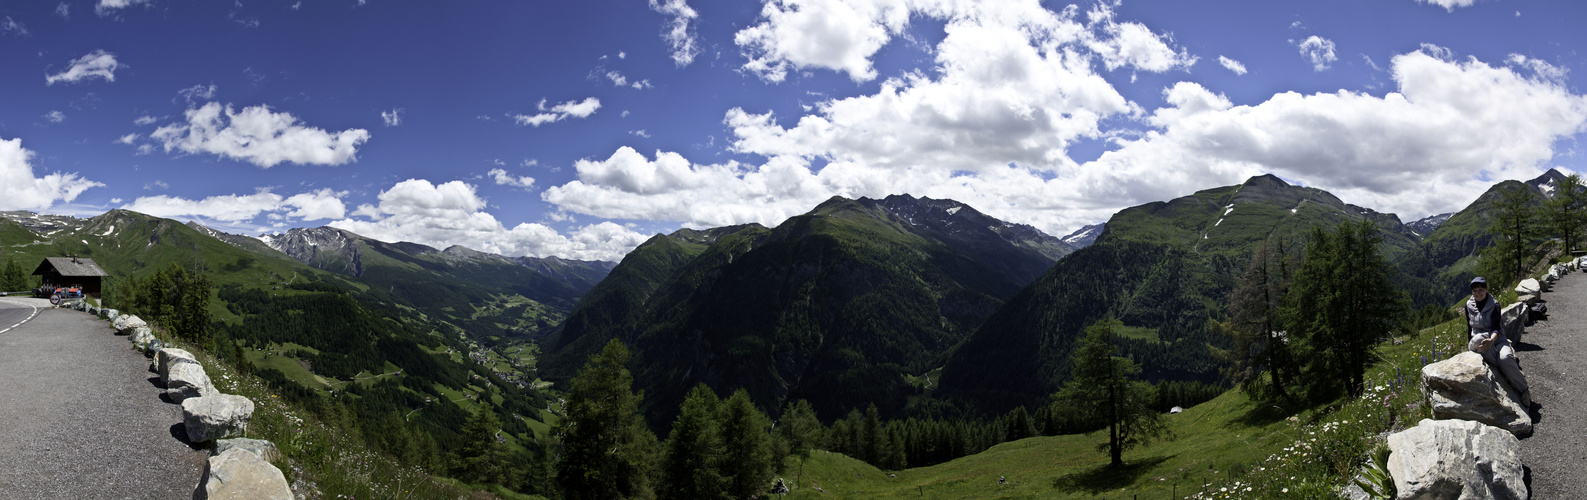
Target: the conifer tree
(746, 443)
(1514, 228)
(800, 428)
(13, 279)
(482, 458)
(1102, 387)
(1564, 210)
(1343, 303)
(1253, 326)
(693, 450)
(607, 450)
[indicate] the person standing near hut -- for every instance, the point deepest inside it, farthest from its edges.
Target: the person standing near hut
(1486, 335)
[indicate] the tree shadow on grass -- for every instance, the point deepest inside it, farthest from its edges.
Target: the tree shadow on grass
(1107, 477)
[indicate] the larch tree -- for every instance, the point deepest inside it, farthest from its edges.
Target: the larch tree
(607, 452)
(1103, 388)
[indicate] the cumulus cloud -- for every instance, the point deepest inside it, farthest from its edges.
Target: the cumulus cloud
(54, 116)
(576, 109)
(259, 136)
(1443, 135)
(1318, 51)
(107, 7)
(843, 35)
(316, 205)
(1449, 5)
(1232, 65)
(129, 139)
(392, 118)
(502, 178)
(96, 64)
(452, 213)
(679, 32)
(619, 80)
(20, 190)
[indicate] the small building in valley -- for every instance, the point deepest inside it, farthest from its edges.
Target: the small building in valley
(72, 271)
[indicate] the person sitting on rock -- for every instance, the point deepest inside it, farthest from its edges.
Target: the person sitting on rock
(1485, 331)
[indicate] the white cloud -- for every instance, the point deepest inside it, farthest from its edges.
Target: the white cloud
(55, 116)
(619, 80)
(106, 7)
(129, 139)
(64, 10)
(576, 109)
(1431, 147)
(1438, 140)
(452, 213)
(145, 120)
(20, 190)
(843, 35)
(156, 184)
(11, 27)
(1233, 65)
(392, 118)
(1449, 5)
(96, 64)
(259, 136)
(1318, 51)
(197, 93)
(502, 178)
(679, 33)
(315, 205)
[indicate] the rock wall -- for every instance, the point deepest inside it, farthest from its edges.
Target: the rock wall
(1471, 448)
(238, 467)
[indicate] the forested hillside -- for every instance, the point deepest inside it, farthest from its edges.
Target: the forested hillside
(837, 306)
(1164, 269)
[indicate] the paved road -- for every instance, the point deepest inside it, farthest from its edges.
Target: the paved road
(80, 417)
(1553, 353)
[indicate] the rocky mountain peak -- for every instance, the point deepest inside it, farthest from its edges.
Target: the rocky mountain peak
(1084, 236)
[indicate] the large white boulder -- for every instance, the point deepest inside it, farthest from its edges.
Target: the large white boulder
(265, 449)
(1529, 286)
(218, 416)
(169, 356)
(1512, 320)
(1456, 459)
(1464, 388)
(141, 337)
(110, 314)
(243, 475)
(187, 380)
(125, 324)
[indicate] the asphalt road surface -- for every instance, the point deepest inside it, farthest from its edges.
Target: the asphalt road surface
(80, 415)
(1553, 354)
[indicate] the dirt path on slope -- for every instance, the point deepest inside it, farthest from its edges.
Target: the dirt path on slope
(1553, 354)
(80, 416)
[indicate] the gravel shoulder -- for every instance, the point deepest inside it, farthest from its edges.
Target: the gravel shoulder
(82, 417)
(1553, 353)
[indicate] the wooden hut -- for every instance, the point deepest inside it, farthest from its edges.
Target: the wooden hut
(72, 271)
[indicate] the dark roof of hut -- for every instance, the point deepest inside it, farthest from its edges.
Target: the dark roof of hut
(71, 266)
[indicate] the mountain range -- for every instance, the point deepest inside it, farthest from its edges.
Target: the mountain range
(920, 306)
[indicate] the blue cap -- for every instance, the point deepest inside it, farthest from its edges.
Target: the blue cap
(1478, 281)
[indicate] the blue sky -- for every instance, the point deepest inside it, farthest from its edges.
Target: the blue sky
(578, 129)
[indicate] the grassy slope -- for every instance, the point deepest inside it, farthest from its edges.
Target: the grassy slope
(1229, 442)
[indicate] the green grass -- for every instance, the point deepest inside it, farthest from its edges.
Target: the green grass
(288, 366)
(1229, 447)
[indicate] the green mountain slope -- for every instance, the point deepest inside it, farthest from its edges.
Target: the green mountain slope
(1162, 268)
(1447, 256)
(835, 306)
(307, 331)
(487, 295)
